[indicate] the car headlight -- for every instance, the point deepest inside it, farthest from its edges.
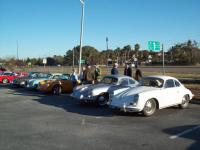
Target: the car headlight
(136, 97)
(135, 100)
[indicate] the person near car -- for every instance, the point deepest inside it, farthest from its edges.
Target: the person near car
(138, 73)
(2, 69)
(97, 72)
(83, 74)
(74, 77)
(128, 70)
(114, 70)
(90, 75)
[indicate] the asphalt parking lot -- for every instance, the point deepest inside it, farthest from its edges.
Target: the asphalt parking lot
(33, 121)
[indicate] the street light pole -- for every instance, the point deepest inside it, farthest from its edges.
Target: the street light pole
(81, 34)
(107, 50)
(17, 50)
(163, 59)
(73, 57)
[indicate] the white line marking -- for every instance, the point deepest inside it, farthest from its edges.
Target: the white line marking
(98, 117)
(184, 132)
(83, 122)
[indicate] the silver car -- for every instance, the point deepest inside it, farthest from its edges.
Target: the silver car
(98, 93)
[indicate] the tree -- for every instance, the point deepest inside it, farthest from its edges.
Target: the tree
(186, 53)
(137, 48)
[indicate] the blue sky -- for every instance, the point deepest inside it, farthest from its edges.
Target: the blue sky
(50, 27)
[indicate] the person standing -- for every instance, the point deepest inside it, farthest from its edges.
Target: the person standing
(138, 74)
(74, 77)
(97, 73)
(90, 75)
(114, 70)
(83, 74)
(128, 70)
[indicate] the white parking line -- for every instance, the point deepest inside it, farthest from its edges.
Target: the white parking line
(184, 132)
(98, 117)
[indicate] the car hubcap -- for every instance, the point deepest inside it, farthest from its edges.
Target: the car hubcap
(57, 90)
(184, 100)
(148, 107)
(5, 81)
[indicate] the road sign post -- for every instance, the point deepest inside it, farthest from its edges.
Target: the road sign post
(163, 59)
(44, 61)
(155, 47)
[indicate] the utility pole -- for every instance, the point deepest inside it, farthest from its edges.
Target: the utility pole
(81, 34)
(17, 50)
(107, 43)
(163, 59)
(73, 57)
(107, 49)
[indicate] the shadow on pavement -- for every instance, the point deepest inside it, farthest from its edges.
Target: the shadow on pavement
(70, 105)
(62, 101)
(191, 134)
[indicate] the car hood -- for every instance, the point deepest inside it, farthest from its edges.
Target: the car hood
(129, 93)
(127, 96)
(96, 89)
(36, 81)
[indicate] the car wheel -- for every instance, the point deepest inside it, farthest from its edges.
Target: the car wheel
(5, 81)
(102, 100)
(149, 108)
(57, 90)
(185, 102)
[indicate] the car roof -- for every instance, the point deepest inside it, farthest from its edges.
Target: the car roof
(161, 77)
(54, 74)
(119, 76)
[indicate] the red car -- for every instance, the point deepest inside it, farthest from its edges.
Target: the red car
(8, 77)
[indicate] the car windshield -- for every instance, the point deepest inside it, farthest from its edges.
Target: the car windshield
(109, 80)
(153, 82)
(7, 73)
(63, 77)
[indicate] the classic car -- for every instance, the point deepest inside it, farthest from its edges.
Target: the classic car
(155, 92)
(33, 83)
(7, 77)
(98, 93)
(22, 81)
(56, 86)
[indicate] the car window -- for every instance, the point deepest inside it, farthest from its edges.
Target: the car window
(109, 80)
(63, 77)
(169, 84)
(56, 77)
(152, 82)
(131, 81)
(7, 74)
(123, 82)
(177, 83)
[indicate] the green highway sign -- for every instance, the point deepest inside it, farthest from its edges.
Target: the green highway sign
(154, 46)
(82, 61)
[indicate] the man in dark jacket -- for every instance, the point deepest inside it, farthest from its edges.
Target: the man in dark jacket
(90, 75)
(128, 70)
(138, 73)
(114, 70)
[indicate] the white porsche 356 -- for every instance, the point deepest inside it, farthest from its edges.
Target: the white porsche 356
(154, 92)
